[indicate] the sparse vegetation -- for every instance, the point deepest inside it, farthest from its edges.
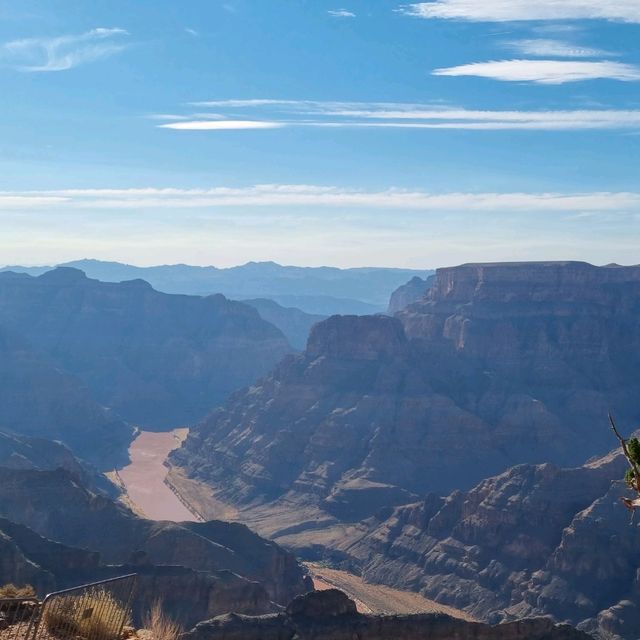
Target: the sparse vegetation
(97, 616)
(160, 626)
(12, 591)
(631, 450)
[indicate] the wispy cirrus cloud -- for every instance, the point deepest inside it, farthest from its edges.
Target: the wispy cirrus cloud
(545, 71)
(271, 113)
(341, 13)
(517, 10)
(545, 47)
(221, 125)
(280, 195)
(62, 52)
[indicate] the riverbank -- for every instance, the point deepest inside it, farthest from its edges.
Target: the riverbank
(143, 480)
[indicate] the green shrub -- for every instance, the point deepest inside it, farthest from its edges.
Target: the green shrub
(633, 446)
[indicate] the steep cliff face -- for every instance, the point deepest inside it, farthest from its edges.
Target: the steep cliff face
(409, 293)
(535, 540)
(55, 505)
(294, 323)
(21, 452)
(188, 596)
(499, 365)
(155, 359)
(330, 615)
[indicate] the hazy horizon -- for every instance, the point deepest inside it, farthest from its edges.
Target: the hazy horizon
(287, 265)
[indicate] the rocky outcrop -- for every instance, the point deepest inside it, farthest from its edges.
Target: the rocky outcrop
(330, 615)
(21, 452)
(412, 291)
(187, 595)
(42, 563)
(535, 540)
(294, 323)
(498, 365)
(155, 359)
(55, 505)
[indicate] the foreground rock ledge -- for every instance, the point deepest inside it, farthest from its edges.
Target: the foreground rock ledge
(331, 615)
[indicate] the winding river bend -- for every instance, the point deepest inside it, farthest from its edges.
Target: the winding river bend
(144, 478)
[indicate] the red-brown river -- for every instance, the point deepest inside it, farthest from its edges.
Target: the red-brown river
(143, 479)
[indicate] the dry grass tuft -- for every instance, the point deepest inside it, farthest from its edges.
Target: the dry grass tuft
(160, 626)
(97, 616)
(11, 591)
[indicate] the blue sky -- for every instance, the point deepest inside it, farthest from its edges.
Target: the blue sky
(362, 132)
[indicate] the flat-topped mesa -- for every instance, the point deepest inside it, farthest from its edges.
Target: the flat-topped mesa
(356, 337)
(529, 281)
(499, 365)
(512, 312)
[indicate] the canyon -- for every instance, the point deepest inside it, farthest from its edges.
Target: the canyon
(457, 449)
(55, 532)
(380, 448)
(85, 359)
(498, 365)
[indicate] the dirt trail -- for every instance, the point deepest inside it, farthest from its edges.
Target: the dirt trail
(375, 598)
(144, 479)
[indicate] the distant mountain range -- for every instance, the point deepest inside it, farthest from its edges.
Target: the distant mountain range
(315, 290)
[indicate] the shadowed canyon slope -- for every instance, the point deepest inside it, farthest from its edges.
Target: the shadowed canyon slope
(21, 452)
(294, 323)
(535, 540)
(37, 398)
(330, 615)
(498, 365)
(187, 595)
(153, 358)
(235, 567)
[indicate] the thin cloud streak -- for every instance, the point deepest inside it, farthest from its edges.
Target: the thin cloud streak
(542, 47)
(220, 125)
(64, 52)
(292, 113)
(277, 195)
(517, 10)
(341, 13)
(545, 71)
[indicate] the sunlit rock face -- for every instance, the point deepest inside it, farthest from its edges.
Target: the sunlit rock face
(409, 293)
(534, 540)
(498, 365)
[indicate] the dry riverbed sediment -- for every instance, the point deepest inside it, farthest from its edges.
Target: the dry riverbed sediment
(143, 480)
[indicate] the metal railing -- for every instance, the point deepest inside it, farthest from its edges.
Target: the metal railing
(18, 617)
(95, 611)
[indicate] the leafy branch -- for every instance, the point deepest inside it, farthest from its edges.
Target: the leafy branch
(631, 450)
